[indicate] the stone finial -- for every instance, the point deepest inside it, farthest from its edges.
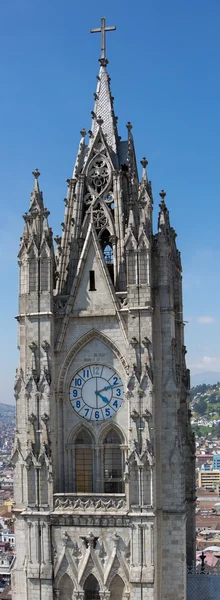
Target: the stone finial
(103, 62)
(83, 132)
(115, 539)
(57, 240)
(162, 194)
(129, 126)
(36, 174)
(144, 162)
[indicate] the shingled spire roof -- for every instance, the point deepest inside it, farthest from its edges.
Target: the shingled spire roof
(104, 110)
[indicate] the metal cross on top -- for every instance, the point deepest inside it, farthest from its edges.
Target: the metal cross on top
(102, 30)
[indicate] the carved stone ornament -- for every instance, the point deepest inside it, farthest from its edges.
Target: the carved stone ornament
(73, 504)
(99, 218)
(98, 175)
(59, 305)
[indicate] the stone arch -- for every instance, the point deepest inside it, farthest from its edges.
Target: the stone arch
(117, 588)
(65, 587)
(76, 430)
(107, 427)
(85, 339)
(62, 567)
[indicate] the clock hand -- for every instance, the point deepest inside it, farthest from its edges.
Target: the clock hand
(104, 399)
(108, 387)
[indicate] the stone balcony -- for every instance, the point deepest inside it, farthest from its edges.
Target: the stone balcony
(90, 503)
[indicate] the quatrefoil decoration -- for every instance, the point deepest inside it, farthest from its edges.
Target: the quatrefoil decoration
(98, 175)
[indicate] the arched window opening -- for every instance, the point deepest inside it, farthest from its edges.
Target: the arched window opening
(33, 265)
(113, 463)
(106, 245)
(91, 588)
(44, 274)
(84, 462)
(131, 267)
(66, 588)
(117, 588)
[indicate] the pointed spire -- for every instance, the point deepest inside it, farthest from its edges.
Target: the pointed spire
(36, 174)
(103, 115)
(36, 202)
(144, 163)
(80, 154)
(132, 166)
(163, 220)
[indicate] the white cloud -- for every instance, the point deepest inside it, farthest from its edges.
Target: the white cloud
(206, 363)
(205, 320)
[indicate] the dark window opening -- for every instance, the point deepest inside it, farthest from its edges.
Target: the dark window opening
(113, 469)
(105, 241)
(92, 287)
(91, 588)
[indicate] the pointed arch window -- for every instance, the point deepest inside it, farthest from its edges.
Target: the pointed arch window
(65, 588)
(131, 256)
(84, 462)
(113, 463)
(117, 588)
(91, 588)
(106, 245)
(107, 249)
(33, 267)
(44, 272)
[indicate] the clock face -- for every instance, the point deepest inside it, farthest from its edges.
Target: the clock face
(96, 392)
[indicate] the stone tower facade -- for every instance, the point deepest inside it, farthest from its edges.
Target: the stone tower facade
(104, 453)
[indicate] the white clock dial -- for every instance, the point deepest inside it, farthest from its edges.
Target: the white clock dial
(96, 392)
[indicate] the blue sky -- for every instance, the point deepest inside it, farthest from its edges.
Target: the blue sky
(164, 64)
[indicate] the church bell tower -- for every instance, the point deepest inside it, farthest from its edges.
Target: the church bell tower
(104, 452)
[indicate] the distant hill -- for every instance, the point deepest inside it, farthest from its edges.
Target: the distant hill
(7, 408)
(208, 377)
(205, 408)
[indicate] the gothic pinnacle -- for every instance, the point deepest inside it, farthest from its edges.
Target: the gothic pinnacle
(144, 163)
(162, 194)
(36, 174)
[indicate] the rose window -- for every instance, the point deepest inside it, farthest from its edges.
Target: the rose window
(99, 174)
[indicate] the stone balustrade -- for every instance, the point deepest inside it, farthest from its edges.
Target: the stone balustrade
(91, 503)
